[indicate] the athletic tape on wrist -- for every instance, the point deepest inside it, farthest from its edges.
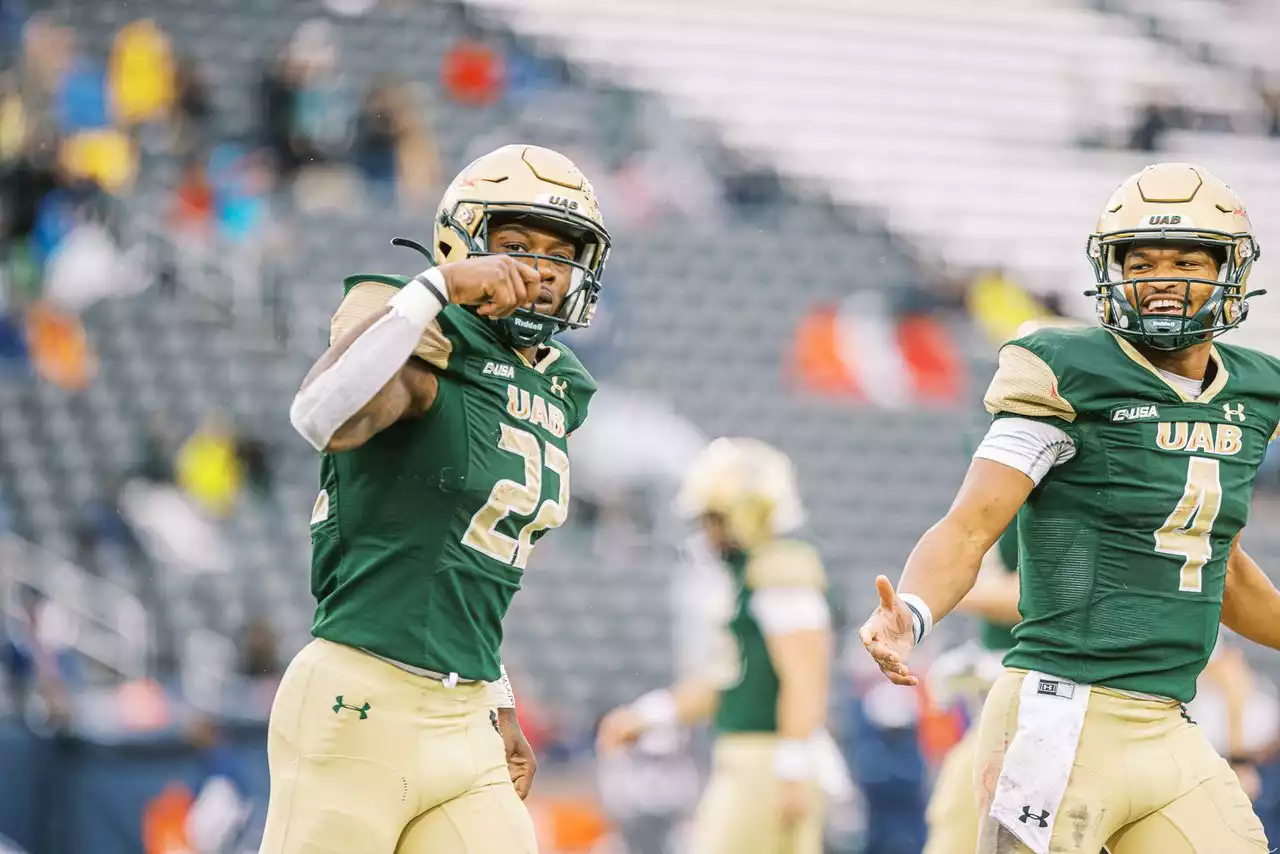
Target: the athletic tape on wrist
(793, 759)
(434, 281)
(921, 616)
(656, 709)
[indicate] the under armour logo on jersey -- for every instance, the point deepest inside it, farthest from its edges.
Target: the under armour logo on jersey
(1028, 816)
(339, 706)
(1232, 414)
(559, 386)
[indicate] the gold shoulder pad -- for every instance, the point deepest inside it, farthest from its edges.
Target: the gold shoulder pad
(1025, 385)
(367, 299)
(786, 563)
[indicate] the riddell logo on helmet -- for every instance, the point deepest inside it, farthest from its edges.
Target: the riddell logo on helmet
(1166, 219)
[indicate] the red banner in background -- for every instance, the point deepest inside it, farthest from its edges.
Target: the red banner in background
(871, 357)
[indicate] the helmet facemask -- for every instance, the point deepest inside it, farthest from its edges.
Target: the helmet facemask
(528, 327)
(1225, 308)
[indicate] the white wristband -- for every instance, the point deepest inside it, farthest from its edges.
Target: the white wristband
(656, 709)
(418, 302)
(500, 693)
(793, 759)
(921, 616)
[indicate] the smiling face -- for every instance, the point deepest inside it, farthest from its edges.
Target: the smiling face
(1171, 265)
(522, 237)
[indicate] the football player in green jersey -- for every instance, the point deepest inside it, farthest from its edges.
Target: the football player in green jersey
(767, 692)
(443, 408)
(1128, 453)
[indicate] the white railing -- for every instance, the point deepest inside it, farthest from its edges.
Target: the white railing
(112, 627)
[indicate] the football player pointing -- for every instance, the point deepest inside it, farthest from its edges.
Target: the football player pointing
(442, 407)
(1134, 448)
(768, 693)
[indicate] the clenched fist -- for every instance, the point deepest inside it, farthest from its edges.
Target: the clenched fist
(497, 283)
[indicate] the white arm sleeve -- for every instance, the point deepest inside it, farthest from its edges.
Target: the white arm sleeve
(783, 610)
(1031, 447)
(331, 399)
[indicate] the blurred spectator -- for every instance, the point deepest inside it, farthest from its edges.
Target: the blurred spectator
(208, 469)
(240, 182)
(394, 148)
(47, 52)
(13, 343)
(105, 157)
(155, 454)
(255, 455)
(59, 347)
(1155, 118)
(13, 119)
(40, 659)
(194, 109)
(473, 73)
(87, 266)
(191, 210)
(277, 97)
(13, 14)
(323, 112)
(881, 745)
(221, 807)
(80, 102)
(141, 74)
(259, 652)
(171, 530)
(1270, 94)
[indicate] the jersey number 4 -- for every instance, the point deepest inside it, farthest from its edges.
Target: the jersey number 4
(1186, 532)
(520, 498)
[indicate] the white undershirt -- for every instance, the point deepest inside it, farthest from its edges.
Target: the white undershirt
(1034, 447)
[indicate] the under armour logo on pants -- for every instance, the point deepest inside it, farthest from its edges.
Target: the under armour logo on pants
(1028, 816)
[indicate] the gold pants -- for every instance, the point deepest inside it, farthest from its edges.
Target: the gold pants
(739, 811)
(367, 758)
(1145, 781)
(952, 816)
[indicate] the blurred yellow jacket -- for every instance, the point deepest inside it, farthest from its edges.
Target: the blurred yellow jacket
(141, 73)
(208, 470)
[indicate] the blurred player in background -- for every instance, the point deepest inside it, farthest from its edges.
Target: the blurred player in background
(965, 675)
(442, 408)
(768, 694)
(1134, 448)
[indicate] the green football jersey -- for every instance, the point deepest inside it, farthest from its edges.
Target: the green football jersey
(746, 677)
(992, 635)
(1124, 547)
(420, 537)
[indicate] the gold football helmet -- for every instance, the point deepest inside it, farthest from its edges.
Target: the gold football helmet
(541, 187)
(750, 484)
(1183, 203)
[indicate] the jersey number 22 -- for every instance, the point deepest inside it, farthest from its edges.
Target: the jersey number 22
(520, 498)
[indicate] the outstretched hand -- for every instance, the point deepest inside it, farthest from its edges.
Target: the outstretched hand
(888, 636)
